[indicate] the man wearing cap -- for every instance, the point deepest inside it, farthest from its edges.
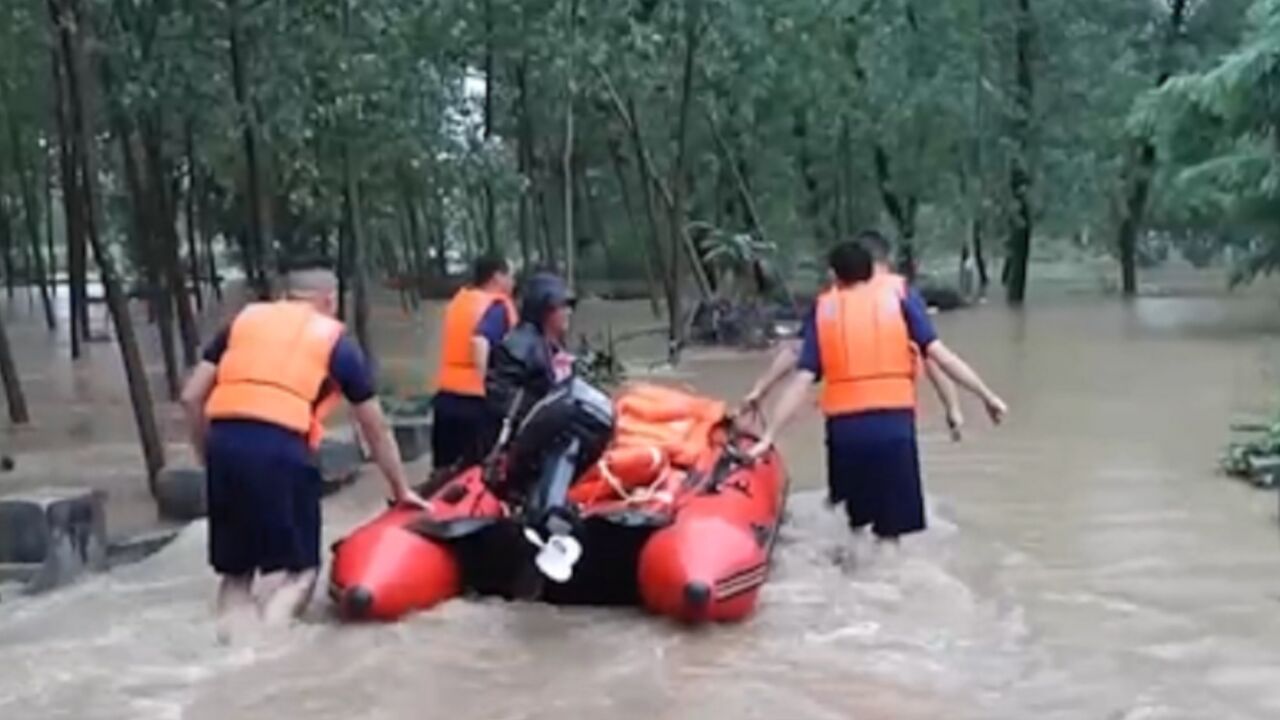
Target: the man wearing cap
(532, 359)
(255, 407)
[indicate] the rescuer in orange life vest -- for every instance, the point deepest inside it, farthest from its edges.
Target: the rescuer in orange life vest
(255, 406)
(475, 322)
(862, 341)
(785, 360)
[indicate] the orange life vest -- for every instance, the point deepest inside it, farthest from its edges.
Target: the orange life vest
(458, 372)
(677, 422)
(868, 360)
(275, 366)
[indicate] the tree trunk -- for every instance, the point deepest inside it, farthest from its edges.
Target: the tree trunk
(356, 254)
(1134, 210)
(206, 236)
(1019, 172)
(344, 263)
(901, 209)
(189, 215)
(656, 251)
(740, 182)
(650, 275)
(48, 222)
(570, 242)
(439, 240)
(6, 247)
(74, 42)
(166, 240)
(525, 161)
(413, 240)
(813, 194)
(12, 382)
(255, 263)
(490, 79)
(1142, 163)
(692, 35)
(548, 245)
(30, 213)
(979, 257)
(146, 241)
(72, 208)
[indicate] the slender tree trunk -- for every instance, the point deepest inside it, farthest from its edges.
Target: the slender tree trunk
(65, 15)
(656, 251)
(570, 242)
(167, 241)
(48, 222)
(207, 235)
(356, 254)
(740, 182)
(978, 203)
(548, 245)
(490, 79)
(813, 193)
(1142, 162)
(189, 215)
(651, 280)
(979, 256)
(6, 241)
(437, 231)
(255, 263)
(679, 188)
(12, 382)
(413, 240)
(525, 161)
(146, 241)
(901, 208)
(1134, 211)
(843, 194)
(1019, 171)
(117, 304)
(30, 213)
(344, 263)
(71, 204)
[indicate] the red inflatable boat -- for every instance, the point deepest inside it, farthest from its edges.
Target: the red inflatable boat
(671, 516)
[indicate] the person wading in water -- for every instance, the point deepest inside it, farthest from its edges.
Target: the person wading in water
(787, 357)
(475, 322)
(255, 406)
(861, 342)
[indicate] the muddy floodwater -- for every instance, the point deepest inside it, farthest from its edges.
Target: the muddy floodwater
(1085, 561)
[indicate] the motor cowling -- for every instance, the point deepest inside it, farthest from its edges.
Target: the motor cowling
(574, 410)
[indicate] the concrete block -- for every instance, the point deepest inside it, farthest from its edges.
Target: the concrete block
(339, 462)
(413, 435)
(181, 493)
(51, 536)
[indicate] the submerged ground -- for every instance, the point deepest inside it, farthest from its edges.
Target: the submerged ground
(1084, 562)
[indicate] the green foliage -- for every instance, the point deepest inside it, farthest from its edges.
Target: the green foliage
(1256, 459)
(807, 121)
(1219, 126)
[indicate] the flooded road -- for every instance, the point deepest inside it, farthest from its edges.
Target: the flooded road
(1083, 562)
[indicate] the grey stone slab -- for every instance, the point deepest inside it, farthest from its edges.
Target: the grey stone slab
(60, 531)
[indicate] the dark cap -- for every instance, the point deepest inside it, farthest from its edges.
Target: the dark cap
(542, 293)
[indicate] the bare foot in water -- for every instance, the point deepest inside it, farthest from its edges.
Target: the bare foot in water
(237, 610)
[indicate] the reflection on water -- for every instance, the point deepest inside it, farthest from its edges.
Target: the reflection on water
(1083, 562)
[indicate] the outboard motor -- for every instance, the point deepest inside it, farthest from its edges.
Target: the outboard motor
(561, 436)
